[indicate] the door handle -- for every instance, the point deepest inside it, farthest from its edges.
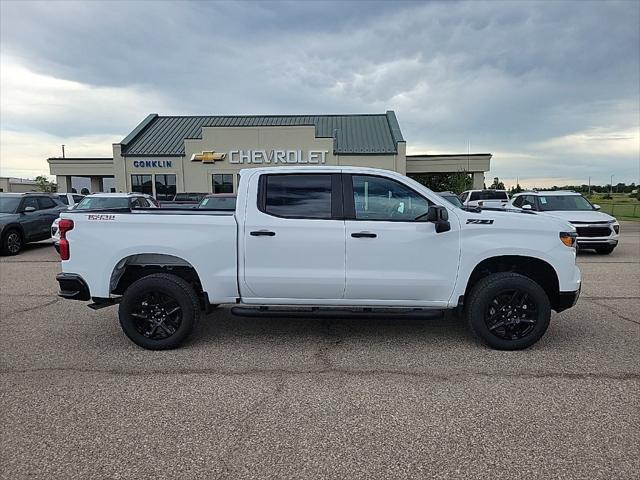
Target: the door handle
(262, 233)
(364, 235)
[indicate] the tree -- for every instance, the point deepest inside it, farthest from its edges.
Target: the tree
(516, 189)
(497, 184)
(44, 185)
(456, 182)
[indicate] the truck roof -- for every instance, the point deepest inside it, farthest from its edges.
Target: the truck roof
(317, 168)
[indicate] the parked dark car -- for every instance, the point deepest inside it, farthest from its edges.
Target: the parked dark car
(219, 201)
(26, 217)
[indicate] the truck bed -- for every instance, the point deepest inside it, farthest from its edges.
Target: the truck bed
(103, 241)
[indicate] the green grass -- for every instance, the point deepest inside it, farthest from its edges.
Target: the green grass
(620, 205)
(621, 209)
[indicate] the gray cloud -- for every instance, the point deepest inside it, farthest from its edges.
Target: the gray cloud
(507, 76)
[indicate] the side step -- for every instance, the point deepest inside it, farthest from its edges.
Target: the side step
(334, 312)
(99, 303)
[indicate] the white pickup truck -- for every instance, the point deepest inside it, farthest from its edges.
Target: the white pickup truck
(310, 241)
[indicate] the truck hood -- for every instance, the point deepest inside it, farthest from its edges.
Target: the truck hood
(579, 215)
(512, 218)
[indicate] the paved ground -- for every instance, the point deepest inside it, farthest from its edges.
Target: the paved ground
(275, 398)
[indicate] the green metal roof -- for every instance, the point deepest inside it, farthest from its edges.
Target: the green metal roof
(353, 134)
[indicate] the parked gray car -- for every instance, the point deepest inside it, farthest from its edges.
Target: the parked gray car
(26, 217)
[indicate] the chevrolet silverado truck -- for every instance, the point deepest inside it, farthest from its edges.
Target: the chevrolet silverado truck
(314, 241)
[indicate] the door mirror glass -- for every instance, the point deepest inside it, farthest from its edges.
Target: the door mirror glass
(596, 206)
(526, 206)
(29, 209)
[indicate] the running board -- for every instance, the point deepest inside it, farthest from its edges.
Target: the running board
(334, 312)
(99, 303)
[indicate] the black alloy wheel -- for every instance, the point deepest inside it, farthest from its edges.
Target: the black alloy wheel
(159, 311)
(157, 315)
(511, 315)
(508, 311)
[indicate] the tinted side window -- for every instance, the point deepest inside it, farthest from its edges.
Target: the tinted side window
(77, 198)
(46, 202)
(298, 196)
(378, 198)
(64, 199)
(138, 202)
(30, 202)
(475, 196)
(464, 196)
(517, 202)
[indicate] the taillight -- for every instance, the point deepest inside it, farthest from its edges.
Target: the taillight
(64, 226)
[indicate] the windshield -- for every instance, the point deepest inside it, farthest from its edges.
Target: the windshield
(102, 202)
(564, 202)
(9, 204)
(218, 203)
(453, 200)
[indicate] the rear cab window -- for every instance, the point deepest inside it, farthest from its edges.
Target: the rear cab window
(309, 196)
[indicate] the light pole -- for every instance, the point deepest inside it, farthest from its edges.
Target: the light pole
(611, 186)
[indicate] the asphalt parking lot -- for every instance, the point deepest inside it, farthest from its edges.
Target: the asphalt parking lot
(296, 398)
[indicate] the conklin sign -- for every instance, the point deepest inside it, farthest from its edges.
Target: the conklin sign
(152, 163)
(263, 156)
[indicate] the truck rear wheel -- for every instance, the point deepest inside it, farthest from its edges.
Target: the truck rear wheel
(159, 311)
(508, 311)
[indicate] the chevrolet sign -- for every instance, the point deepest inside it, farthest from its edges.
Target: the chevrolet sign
(208, 157)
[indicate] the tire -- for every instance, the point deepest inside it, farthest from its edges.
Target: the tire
(12, 242)
(605, 250)
(504, 321)
(165, 325)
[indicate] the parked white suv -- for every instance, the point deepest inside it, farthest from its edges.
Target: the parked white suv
(595, 229)
(487, 198)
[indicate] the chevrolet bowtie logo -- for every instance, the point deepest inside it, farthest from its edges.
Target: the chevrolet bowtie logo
(208, 157)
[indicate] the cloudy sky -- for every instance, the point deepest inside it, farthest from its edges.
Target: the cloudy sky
(552, 89)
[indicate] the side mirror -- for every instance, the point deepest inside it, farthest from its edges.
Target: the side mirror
(29, 209)
(440, 217)
(527, 207)
(596, 206)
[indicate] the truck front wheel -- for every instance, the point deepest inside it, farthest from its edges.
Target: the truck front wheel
(508, 311)
(159, 311)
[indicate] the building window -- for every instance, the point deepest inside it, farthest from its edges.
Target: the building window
(108, 184)
(142, 184)
(165, 186)
(222, 183)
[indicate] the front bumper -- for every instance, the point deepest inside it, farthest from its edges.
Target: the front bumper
(73, 287)
(566, 300)
(592, 242)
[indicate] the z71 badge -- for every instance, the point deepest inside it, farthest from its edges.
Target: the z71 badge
(479, 221)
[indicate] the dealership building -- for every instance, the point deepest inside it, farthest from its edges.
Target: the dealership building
(168, 154)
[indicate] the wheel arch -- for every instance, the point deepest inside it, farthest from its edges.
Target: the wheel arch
(139, 265)
(14, 226)
(540, 271)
